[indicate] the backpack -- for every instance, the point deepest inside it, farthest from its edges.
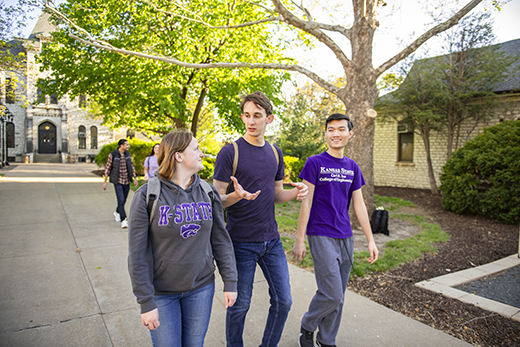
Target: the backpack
(379, 222)
(154, 191)
(235, 162)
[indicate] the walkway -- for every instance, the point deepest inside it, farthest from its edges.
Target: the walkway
(64, 278)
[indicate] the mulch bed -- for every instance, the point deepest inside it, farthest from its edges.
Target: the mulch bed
(474, 241)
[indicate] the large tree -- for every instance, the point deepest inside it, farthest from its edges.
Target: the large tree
(151, 95)
(360, 90)
(471, 69)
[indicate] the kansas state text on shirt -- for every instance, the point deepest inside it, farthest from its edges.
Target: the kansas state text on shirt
(191, 212)
(334, 174)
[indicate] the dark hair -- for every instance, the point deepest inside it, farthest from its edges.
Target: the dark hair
(153, 148)
(176, 141)
(121, 142)
(338, 116)
(260, 100)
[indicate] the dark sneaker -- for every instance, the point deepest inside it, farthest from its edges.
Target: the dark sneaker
(319, 344)
(306, 338)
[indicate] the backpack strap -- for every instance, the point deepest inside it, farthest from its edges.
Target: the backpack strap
(276, 154)
(206, 187)
(152, 195)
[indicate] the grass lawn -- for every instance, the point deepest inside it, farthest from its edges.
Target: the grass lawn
(395, 252)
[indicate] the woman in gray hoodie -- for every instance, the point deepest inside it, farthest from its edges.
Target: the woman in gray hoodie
(171, 256)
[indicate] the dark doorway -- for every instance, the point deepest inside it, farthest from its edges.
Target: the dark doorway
(47, 138)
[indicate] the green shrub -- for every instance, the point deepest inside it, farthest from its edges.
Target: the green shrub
(293, 166)
(483, 177)
(209, 168)
(138, 149)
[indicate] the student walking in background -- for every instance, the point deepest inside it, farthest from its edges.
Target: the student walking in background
(150, 163)
(121, 171)
(251, 221)
(333, 180)
(171, 255)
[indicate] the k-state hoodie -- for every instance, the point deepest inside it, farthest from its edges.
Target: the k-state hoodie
(175, 253)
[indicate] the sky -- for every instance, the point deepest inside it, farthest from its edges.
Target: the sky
(402, 21)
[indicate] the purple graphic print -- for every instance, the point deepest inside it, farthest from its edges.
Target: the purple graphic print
(188, 212)
(189, 230)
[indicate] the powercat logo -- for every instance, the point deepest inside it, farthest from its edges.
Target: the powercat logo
(189, 230)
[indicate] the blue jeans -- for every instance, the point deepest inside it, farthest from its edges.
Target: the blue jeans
(184, 318)
(121, 194)
(270, 256)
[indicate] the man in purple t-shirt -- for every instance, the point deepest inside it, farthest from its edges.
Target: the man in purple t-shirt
(333, 180)
(251, 221)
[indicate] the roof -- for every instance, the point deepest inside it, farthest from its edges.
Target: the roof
(512, 82)
(15, 47)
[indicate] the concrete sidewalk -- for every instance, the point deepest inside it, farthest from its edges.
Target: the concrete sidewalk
(64, 278)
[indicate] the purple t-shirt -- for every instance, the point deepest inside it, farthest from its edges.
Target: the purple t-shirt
(334, 181)
(251, 221)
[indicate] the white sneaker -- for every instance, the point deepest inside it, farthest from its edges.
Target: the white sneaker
(124, 224)
(117, 216)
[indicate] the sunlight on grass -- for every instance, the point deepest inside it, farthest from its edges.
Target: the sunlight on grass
(287, 215)
(398, 252)
(392, 204)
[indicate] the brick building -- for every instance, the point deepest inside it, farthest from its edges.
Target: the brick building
(399, 153)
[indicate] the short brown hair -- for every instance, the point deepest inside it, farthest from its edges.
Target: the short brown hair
(176, 141)
(260, 100)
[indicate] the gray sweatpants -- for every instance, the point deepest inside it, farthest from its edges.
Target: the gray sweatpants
(332, 264)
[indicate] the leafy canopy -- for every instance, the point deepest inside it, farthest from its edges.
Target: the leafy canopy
(153, 95)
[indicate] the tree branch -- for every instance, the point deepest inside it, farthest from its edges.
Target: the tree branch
(199, 20)
(91, 41)
(273, 66)
(426, 36)
(315, 30)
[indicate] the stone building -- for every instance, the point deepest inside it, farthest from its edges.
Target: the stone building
(43, 128)
(399, 152)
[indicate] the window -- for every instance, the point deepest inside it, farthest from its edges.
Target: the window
(130, 134)
(10, 135)
(405, 150)
(82, 101)
(54, 99)
(93, 137)
(10, 90)
(82, 137)
(40, 97)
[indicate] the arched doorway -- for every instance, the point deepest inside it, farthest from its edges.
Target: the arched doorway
(47, 138)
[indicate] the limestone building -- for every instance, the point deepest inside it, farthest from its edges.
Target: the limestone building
(399, 151)
(37, 127)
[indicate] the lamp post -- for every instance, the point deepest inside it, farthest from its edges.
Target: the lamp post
(5, 117)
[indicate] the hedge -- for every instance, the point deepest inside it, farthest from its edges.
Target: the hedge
(483, 177)
(139, 150)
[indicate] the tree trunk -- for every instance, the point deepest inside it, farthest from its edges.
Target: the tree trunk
(359, 95)
(425, 134)
(449, 145)
(196, 112)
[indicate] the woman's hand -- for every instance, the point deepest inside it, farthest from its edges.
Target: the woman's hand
(150, 319)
